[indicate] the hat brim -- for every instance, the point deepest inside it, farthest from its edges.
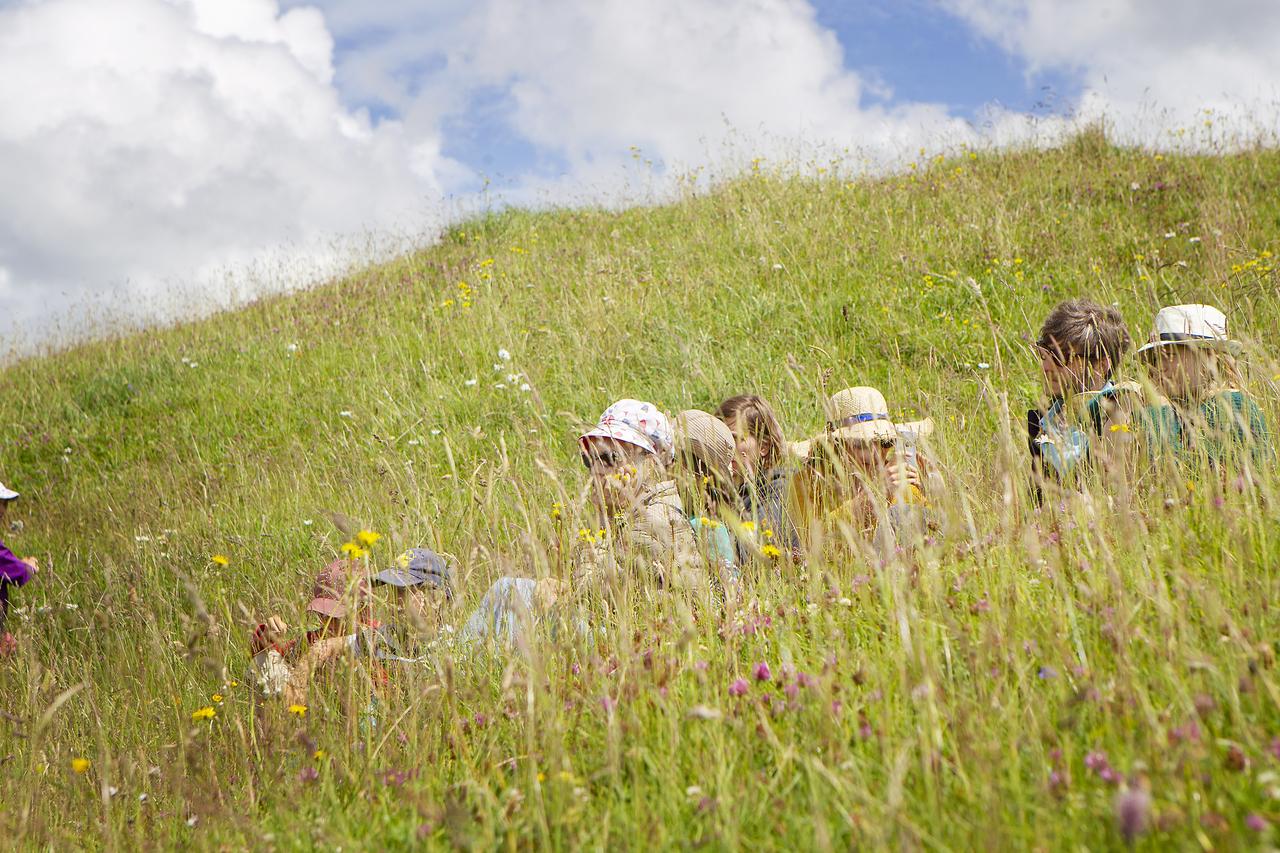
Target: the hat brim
(7, 494)
(1218, 344)
(330, 607)
(915, 429)
(399, 577)
(625, 434)
(870, 431)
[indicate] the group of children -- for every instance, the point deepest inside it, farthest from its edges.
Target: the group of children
(689, 503)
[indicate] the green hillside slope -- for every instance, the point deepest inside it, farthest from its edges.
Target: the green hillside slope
(952, 708)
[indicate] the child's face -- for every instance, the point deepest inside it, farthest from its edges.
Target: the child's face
(423, 608)
(1180, 371)
(749, 453)
(618, 472)
(1066, 373)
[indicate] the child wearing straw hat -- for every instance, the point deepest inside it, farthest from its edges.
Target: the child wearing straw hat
(862, 472)
(641, 519)
(1191, 359)
(705, 478)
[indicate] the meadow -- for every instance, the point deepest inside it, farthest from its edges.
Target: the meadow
(1035, 678)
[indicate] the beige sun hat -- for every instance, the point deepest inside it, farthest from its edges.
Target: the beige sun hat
(706, 438)
(862, 414)
(1191, 325)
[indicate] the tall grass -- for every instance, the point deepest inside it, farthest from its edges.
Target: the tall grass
(1013, 688)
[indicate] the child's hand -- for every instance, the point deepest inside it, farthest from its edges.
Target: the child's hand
(276, 629)
(901, 477)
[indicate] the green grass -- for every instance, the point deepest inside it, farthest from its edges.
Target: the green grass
(1142, 618)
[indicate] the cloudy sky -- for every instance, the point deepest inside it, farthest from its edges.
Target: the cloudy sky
(159, 155)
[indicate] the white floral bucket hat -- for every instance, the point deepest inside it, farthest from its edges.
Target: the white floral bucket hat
(639, 423)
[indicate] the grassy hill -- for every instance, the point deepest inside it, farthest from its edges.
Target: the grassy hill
(967, 705)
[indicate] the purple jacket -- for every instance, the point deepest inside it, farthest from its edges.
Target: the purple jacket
(12, 570)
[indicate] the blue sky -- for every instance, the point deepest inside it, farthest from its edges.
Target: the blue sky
(161, 157)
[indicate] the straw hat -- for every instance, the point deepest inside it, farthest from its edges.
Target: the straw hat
(862, 414)
(706, 438)
(1191, 325)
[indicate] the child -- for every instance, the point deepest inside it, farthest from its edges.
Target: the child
(1080, 344)
(641, 519)
(340, 599)
(705, 450)
(13, 572)
(860, 473)
(1207, 417)
(759, 463)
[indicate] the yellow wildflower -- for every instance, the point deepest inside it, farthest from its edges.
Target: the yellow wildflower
(556, 509)
(771, 551)
(217, 698)
(1120, 428)
(80, 765)
(368, 538)
(542, 777)
(768, 533)
(219, 560)
(749, 526)
(584, 535)
(206, 713)
(354, 551)
(298, 710)
(319, 755)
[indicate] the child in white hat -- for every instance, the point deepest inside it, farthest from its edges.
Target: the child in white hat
(641, 519)
(13, 572)
(1191, 359)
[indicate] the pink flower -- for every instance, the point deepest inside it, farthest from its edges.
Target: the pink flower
(762, 672)
(739, 687)
(608, 703)
(1256, 822)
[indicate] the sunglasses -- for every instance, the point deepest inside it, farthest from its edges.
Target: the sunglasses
(603, 459)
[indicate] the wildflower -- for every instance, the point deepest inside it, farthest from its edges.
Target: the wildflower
(368, 538)
(761, 671)
(1133, 812)
(1256, 822)
(217, 698)
(319, 755)
(354, 551)
(771, 551)
(1120, 428)
(345, 413)
(982, 365)
(709, 523)
(206, 713)
(471, 383)
(504, 355)
(556, 509)
(525, 386)
(80, 765)
(219, 560)
(749, 527)
(608, 703)
(298, 710)
(585, 535)
(308, 774)
(739, 687)
(1047, 672)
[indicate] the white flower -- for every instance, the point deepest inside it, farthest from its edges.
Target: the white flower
(1169, 235)
(142, 798)
(513, 377)
(1193, 239)
(435, 432)
(1134, 186)
(191, 821)
(306, 522)
(471, 383)
(525, 386)
(413, 442)
(693, 791)
(345, 413)
(504, 355)
(844, 602)
(499, 385)
(292, 348)
(71, 606)
(112, 791)
(142, 539)
(777, 266)
(982, 365)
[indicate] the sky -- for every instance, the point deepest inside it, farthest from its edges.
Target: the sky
(165, 157)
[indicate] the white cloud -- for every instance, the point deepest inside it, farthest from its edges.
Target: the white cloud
(1151, 66)
(149, 147)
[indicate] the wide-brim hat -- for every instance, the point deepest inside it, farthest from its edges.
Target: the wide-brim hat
(861, 414)
(638, 423)
(1191, 325)
(7, 494)
(335, 585)
(706, 438)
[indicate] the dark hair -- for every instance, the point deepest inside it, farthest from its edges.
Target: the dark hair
(1082, 327)
(753, 416)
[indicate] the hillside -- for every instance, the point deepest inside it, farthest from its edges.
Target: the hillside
(965, 706)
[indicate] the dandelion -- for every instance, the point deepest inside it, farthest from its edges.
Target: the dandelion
(298, 710)
(368, 538)
(319, 755)
(739, 687)
(749, 526)
(80, 765)
(220, 560)
(354, 551)
(771, 551)
(205, 713)
(217, 698)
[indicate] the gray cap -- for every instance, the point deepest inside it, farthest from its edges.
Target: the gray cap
(418, 567)
(6, 493)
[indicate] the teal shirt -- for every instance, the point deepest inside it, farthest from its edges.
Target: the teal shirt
(716, 541)
(1228, 425)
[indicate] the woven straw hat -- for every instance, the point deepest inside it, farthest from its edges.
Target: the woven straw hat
(706, 438)
(862, 414)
